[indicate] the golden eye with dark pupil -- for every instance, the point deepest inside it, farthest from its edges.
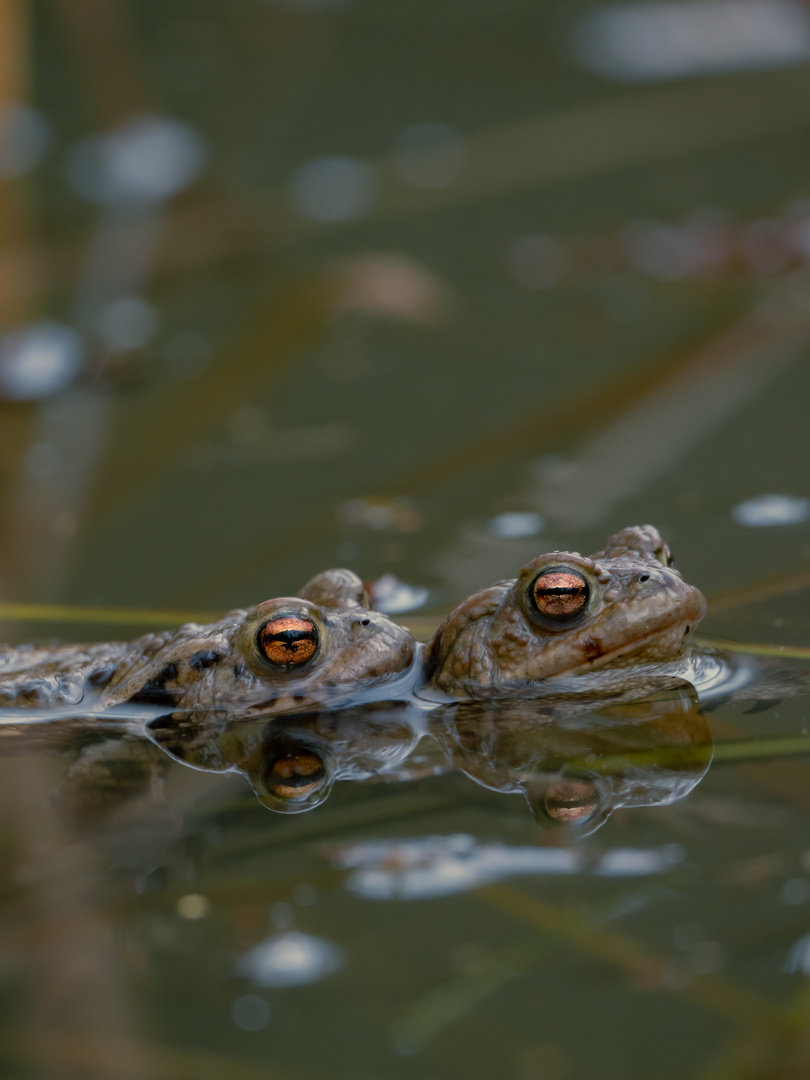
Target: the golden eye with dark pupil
(294, 776)
(570, 801)
(560, 594)
(288, 640)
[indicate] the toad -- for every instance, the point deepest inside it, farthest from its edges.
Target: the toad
(284, 655)
(566, 614)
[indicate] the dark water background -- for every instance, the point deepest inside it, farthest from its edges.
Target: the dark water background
(424, 289)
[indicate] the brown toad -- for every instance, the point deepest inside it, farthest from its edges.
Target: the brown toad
(286, 654)
(567, 615)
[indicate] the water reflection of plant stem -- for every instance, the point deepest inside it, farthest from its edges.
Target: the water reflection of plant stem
(431, 1014)
(74, 613)
(422, 628)
(634, 958)
(758, 1054)
(786, 652)
(439, 1008)
(764, 589)
(732, 751)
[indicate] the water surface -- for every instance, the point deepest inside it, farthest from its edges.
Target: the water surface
(424, 290)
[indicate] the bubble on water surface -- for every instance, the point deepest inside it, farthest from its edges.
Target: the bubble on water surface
(772, 510)
(38, 361)
(443, 865)
(250, 1013)
(397, 514)
(128, 323)
(193, 906)
(334, 189)
(513, 524)
(291, 959)
(148, 159)
(393, 597)
(645, 42)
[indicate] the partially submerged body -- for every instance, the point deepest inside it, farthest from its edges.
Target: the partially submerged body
(555, 650)
(286, 654)
(566, 616)
(615, 624)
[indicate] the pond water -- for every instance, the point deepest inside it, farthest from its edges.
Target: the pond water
(424, 290)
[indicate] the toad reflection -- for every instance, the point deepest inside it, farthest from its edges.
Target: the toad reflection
(576, 764)
(292, 763)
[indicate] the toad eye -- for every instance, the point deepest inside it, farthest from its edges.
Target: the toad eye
(560, 594)
(288, 640)
(295, 775)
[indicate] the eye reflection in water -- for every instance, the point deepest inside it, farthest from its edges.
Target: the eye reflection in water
(292, 763)
(569, 801)
(295, 775)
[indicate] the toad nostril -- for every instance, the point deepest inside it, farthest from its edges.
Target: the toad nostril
(365, 622)
(643, 577)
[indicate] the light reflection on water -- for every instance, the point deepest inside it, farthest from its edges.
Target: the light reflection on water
(663, 40)
(290, 959)
(442, 865)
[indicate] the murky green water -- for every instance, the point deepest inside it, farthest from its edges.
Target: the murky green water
(424, 290)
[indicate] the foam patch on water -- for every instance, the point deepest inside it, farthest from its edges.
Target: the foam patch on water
(443, 865)
(764, 510)
(291, 959)
(516, 524)
(645, 42)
